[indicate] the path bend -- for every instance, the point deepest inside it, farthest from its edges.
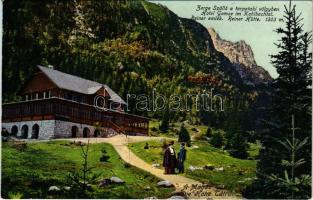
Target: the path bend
(120, 144)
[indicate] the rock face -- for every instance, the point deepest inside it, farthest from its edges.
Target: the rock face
(242, 57)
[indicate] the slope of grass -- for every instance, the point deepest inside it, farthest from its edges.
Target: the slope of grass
(236, 175)
(174, 128)
(31, 170)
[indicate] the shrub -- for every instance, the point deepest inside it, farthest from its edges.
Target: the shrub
(165, 122)
(208, 132)
(5, 133)
(15, 195)
(164, 126)
(217, 139)
(127, 165)
(238, 146)
(183, 135)
(104, 157)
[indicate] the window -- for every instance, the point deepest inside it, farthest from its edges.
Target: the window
(68, 96)
(36, 96)
(44, 95)
(40, 95)
(26, 97)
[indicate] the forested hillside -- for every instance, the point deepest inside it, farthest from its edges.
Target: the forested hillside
(132, 46)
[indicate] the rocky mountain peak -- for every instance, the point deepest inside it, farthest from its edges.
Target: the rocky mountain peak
(242, 57)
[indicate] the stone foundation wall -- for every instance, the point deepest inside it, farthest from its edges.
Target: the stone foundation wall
(49, 129)
(46, 128)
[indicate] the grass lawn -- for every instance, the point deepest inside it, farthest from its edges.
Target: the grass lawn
(236, 175)
(31, 170)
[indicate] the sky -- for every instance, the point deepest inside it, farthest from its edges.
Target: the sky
(260, 36)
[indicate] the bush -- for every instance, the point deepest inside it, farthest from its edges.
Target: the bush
(4, 133)
(104, 157)
(127, 165)
(183, 135)
(238, 146)
(217, 139)
(164, 126)
(15, 195)
(208, 132)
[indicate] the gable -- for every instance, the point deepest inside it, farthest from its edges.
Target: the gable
(102, 91)
(38, 83)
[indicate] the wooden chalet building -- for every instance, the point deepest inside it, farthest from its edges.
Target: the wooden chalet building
(60, 105)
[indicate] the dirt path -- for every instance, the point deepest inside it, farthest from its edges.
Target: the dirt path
(192, 188)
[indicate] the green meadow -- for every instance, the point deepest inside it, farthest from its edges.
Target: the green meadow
(28, 170)
(236, 173)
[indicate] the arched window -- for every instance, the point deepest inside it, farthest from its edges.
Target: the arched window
(35, 131)
(96, 133)
(14, 130)
(24, 134)
(74, 131)
(86, 132)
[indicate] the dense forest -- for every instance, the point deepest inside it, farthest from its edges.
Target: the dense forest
(132, 46)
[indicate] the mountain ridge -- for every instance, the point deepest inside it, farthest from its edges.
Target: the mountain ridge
(242, 57)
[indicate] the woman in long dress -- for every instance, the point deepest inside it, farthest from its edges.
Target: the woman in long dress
(169, 159)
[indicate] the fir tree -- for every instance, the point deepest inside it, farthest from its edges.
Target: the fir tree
(183, 135)
(208, 132)
(164, 126)
(217, 139)
(291, 96)
(238, 146)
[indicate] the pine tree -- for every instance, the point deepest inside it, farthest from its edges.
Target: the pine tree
(294, 187)
(164, 126)
(291, 96)
(208, 132)
(238, 146)
(183, 135)
(217, 140)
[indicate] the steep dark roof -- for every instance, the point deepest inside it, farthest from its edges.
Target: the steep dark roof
(78, 84)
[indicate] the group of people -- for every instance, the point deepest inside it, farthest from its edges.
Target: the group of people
(171, 162)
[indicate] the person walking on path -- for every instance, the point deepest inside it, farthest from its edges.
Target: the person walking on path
(181, 158)
(169, 159)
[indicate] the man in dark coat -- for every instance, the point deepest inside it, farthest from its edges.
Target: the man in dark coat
(181, 158)
(169, 159)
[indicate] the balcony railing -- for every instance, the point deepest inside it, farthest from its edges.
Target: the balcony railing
(62, 109)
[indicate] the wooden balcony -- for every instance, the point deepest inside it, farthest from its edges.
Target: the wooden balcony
(65, 110)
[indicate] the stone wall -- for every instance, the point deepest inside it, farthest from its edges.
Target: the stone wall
(49, 129)
(46, 128)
